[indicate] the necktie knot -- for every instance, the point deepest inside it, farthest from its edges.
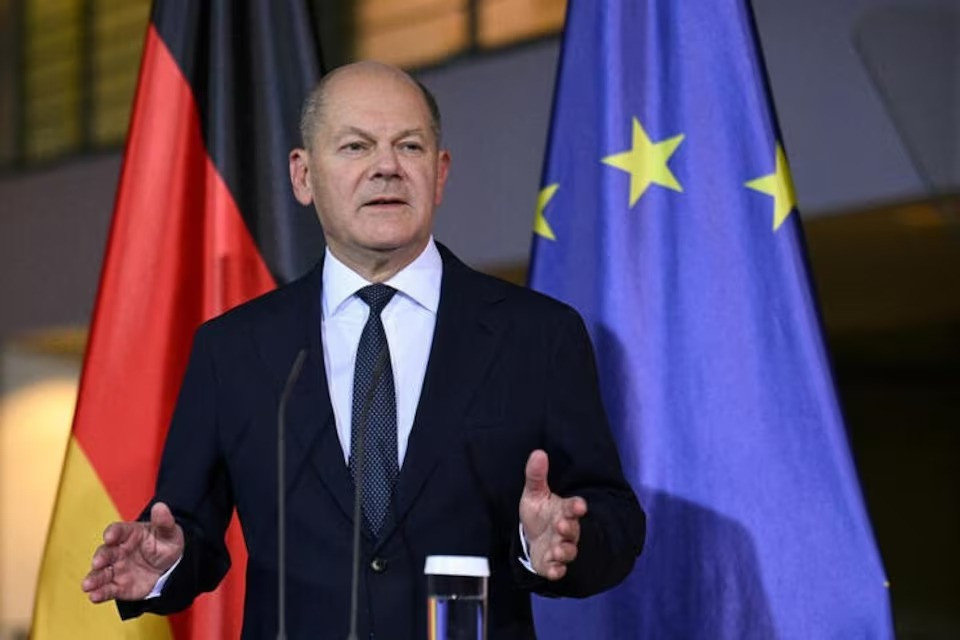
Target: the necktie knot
(376, 296)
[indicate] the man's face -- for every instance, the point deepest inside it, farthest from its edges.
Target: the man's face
(374, 174)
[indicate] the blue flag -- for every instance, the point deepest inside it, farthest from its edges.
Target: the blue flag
(667, 218)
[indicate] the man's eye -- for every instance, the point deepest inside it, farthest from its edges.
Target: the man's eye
(411, 146)
(352, 146)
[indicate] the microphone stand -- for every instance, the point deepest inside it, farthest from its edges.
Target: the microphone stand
(281, 495)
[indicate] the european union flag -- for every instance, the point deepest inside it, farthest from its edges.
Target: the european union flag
(667, 218)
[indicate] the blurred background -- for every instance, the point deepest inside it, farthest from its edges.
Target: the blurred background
(868, 97)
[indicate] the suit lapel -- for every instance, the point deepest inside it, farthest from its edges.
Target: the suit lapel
(311, 435)
(466, 337)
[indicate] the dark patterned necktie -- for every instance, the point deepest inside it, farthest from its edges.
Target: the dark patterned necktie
(380, 466)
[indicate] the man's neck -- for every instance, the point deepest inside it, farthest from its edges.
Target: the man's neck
(379, 266)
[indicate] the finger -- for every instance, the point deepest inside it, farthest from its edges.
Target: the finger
(161, 518)
(117, 532)
(564, 553)
(555, 571)
(575, 507)
(103, 594)
(536, 473)
(569, 530)
(95, 580)
(104, 556)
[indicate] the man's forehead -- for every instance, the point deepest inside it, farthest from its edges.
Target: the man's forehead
(368, 104)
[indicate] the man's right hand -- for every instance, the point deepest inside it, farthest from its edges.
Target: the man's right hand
(133, 556)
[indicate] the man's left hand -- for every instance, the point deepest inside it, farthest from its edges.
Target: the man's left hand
(551, 523)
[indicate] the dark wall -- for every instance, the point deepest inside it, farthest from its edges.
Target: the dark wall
(53, 229)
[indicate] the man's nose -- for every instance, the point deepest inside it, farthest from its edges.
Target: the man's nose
(386, 164)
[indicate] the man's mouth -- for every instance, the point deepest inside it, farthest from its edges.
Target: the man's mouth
(383, 201)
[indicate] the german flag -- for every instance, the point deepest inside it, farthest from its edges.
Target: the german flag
(204, 220)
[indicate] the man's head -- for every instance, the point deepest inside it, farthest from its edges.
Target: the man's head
(371, 165)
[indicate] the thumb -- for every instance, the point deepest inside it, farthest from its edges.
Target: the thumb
(536, 473)
(161, 518)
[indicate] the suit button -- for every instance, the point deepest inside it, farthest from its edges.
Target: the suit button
(379, 565)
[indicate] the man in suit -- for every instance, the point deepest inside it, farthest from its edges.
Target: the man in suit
(485, 433)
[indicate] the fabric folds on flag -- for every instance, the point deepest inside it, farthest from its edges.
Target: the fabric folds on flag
(667, 218)
(204, 219)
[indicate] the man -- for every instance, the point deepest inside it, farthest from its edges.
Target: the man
(485, 431)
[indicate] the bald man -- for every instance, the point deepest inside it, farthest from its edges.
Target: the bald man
(486, 437)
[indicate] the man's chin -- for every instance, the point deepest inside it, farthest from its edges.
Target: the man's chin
(394, 246)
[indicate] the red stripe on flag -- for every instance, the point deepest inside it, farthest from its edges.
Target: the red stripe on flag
(178, 253)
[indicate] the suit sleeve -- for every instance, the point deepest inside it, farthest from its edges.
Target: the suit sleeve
(584, 462)
(194, 483)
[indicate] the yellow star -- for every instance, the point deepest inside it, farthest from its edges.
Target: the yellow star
(780, 186)
(540, 225)
(646, 162)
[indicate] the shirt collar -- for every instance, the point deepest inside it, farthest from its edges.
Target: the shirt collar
(418, 281)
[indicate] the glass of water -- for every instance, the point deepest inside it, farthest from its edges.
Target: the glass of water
(457, 597)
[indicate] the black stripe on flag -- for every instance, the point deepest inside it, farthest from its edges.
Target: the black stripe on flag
(250, 64)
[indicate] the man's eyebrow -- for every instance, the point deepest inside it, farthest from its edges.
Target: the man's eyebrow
(416, 131)
(357, 131)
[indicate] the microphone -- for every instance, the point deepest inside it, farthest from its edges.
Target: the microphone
(281, 495)
(382, 359)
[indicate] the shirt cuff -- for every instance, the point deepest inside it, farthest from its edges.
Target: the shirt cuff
(162, 580)
(525, 547)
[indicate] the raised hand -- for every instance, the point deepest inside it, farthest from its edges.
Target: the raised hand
(133, 556)
(551, 523)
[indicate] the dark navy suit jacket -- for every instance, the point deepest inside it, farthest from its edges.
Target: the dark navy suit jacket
(510, 371)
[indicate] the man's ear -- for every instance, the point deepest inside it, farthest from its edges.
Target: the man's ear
(300, 176)
(443, 169)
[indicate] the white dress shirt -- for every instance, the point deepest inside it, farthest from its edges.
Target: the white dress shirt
(408, 320)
